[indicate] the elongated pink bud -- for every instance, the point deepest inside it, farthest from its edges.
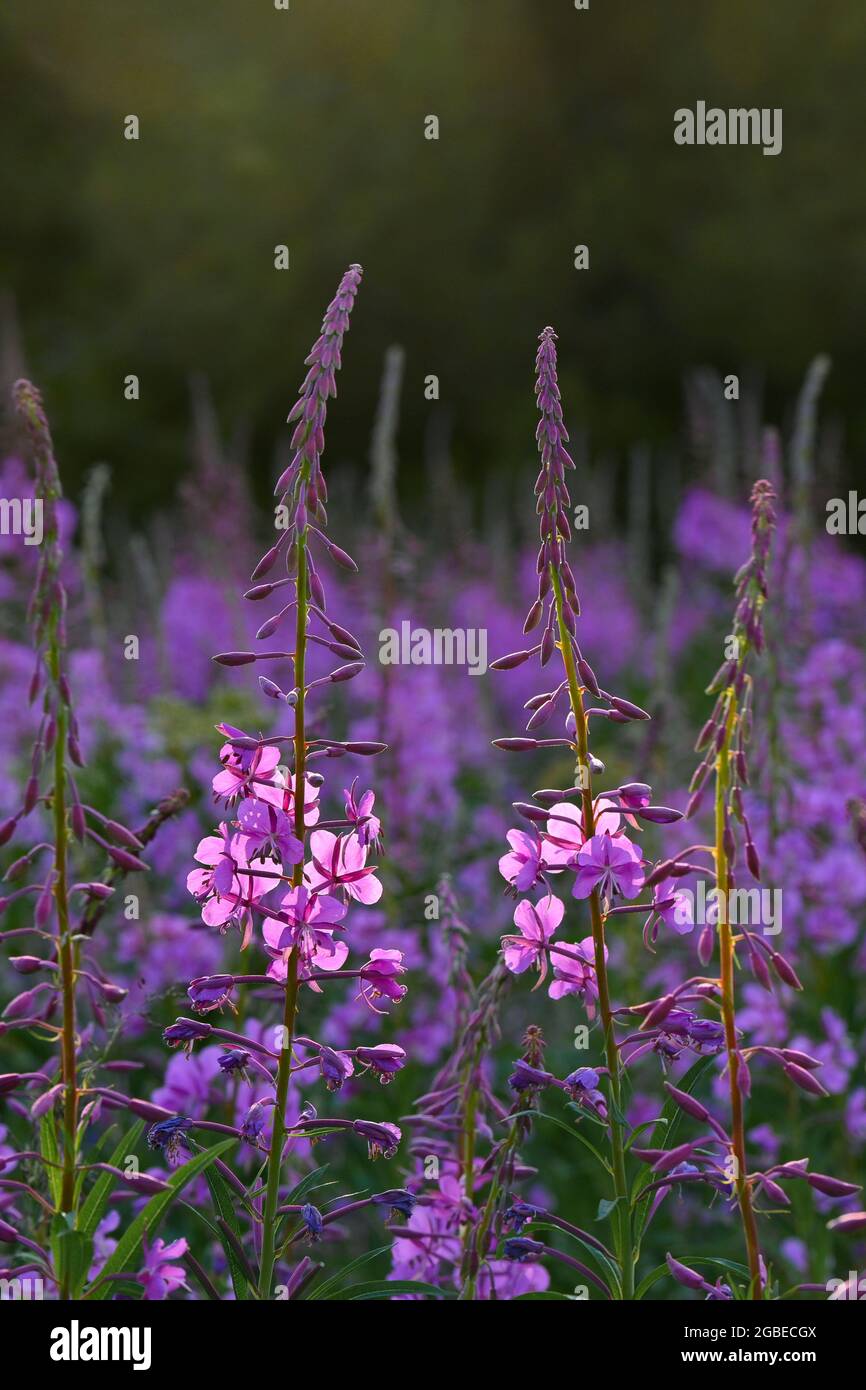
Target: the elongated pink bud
(122, 834)
(268, 560)
(850, 1223)
(507, 663)
(705, 735)
(234, 658)
(31, 794)
(269, 626)
(831, 1187)
(785, 971)
(46, 1102)
(804, 1079)
(694, 802)
(587, 676)
(542, 715)
(659, 1011)
(775, 1192)
(689, 1278)
(628, 709)
(347, 673)
(760, 970)
(124, 860)
(101, 891)
(533, 617)
(28, 965)
(802, 1059)
(261, 591)
(341, 557)
(7, 829)
(550, 795)
(45, 903)
(706, 942)
(688, 1103)
(270, 689)
(342, 634)
(659, 815)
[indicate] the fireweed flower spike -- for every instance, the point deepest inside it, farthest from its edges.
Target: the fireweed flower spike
(266, 863)
(51, 785)
(585, 837)
(726, 737)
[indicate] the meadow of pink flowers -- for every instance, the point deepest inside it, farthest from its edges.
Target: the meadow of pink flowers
(326, 977)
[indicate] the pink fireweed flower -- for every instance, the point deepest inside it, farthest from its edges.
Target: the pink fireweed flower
(256, 772)
(383, 1139)
(340, 862)
(537, 923)
(379, 978)
(526, 864)
(158, 1276)
(311, 797)
(306, 923)
(384, 1060)
(575, 973)
(368, 828)
(335, 1067)
(210, 992)
(674, 907)
(267, 832)
(582, 1086)
(610, 864)
(246, 771)
(565, 835)
(225, 886)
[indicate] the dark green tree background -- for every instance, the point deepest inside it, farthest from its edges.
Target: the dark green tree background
(261, 127)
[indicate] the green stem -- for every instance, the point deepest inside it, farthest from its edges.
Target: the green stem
(66, 958)
(727, 949)
(278, 1133)
(617, 1139)
(480, 1236)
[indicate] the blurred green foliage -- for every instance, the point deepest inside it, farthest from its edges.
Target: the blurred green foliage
(306, 127)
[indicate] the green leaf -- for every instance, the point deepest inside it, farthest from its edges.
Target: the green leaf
(73, 1255)
(97, 1198)
(128, 1288)
(387, 1288)
(605, 1207)
(607, 1266)
(224, 1206)
(50, 1152)
(546, 1296)
(323, 1290)
(309, 1183)
(569, 1129)
(647, 1124)
(731, 1266)
(123, 1256)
